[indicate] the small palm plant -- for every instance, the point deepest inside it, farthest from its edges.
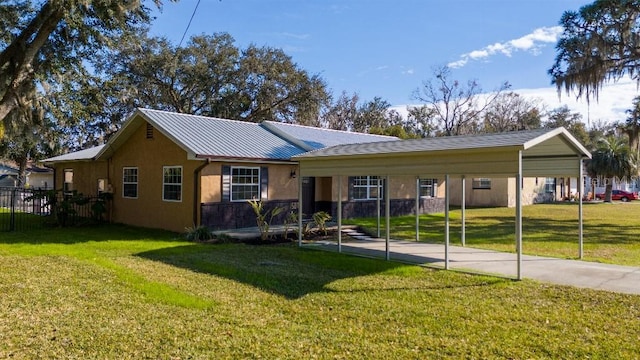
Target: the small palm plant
(264, 217)
(320, 219)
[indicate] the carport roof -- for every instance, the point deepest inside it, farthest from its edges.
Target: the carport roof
(522, 139)
(544, 152)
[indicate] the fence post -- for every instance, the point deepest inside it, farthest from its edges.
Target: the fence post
(12, 218)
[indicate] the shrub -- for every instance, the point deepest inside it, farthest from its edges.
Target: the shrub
(198, 233)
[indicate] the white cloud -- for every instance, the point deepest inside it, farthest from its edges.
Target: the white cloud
(295, 36)
(408, 72)
(530, 43)
(614, 99)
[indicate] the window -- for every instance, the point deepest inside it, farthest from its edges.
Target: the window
(481, 183)
(428, 187)
(366, 187)
(130, 182)
(68, 181)
(550, 185)
(172, 183)
(245, 183)
(149, 131)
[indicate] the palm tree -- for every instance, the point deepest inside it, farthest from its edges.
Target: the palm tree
(612, 159)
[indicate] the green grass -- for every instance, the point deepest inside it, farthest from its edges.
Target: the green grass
(611, 230)
(116, 292)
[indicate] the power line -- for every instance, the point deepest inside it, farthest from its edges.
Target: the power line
(189, 24)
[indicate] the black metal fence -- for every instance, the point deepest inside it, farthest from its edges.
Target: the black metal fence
(24, 208)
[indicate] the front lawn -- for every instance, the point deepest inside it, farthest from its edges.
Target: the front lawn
(116, 292)
(611, 230)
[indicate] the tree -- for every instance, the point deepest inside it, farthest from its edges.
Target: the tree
(611, 159)
(339, 114)
(600, 42)
(208, 76)
(632, 126)
(456, 107)
(563, 117)
(372, 114)
(511, 112)
(420, 121)
(46, 39)
(30, 136)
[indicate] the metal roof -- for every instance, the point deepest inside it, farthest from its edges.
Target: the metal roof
(525, 139)
(207, 137)
(87, 154)
(204, 136)
(313, 138)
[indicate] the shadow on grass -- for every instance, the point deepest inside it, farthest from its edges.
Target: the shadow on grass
(287, 270)
(49, 234)
(501, 230)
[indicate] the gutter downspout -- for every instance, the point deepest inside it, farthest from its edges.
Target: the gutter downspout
(196, 192)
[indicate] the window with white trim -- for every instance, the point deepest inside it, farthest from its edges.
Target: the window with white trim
(130, 182)
(245, 183)
(367, 187)
(68, 181)
(550, 185)
(481, 183)
(172, 183)
(428, 187)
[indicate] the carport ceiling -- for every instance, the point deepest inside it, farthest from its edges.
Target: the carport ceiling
(545, 152)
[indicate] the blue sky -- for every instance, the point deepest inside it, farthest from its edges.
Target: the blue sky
(388, 48)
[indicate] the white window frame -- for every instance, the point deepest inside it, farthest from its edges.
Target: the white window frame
(550, 186)
(370, 183)
(481, 183)
(125, 182)
(233, 183)
(67, 185)
(164, 169)
(431, 184)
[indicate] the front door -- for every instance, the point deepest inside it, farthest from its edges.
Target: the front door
(308, 196)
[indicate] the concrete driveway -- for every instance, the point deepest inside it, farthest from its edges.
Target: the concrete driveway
(622, 279)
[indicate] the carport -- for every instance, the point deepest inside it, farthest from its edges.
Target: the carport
(536, 153)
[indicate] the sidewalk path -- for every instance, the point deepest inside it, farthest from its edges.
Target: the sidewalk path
(623, 279)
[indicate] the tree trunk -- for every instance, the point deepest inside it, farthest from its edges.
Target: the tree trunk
(22, 172)
(608, 190)
(17, 59)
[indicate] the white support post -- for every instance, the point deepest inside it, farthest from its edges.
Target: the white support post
(387, 214)
(519, 215)
(379, 188)
(339, 213)
(300, 210)
(417, 208)
(446, 222)
(463, 201)
(580, 218)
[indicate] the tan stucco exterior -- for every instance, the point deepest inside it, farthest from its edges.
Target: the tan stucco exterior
(502, 192)
(85, 175)
(150, 156)
(402, 187)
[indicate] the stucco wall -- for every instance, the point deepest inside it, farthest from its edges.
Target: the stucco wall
(401, 187)
(85, 175)
(498, 195)
(281, 186)
(149, 156)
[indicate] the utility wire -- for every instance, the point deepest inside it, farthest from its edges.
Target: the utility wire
(189, 24)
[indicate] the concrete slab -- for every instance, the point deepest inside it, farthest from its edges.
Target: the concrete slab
(622, 279)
